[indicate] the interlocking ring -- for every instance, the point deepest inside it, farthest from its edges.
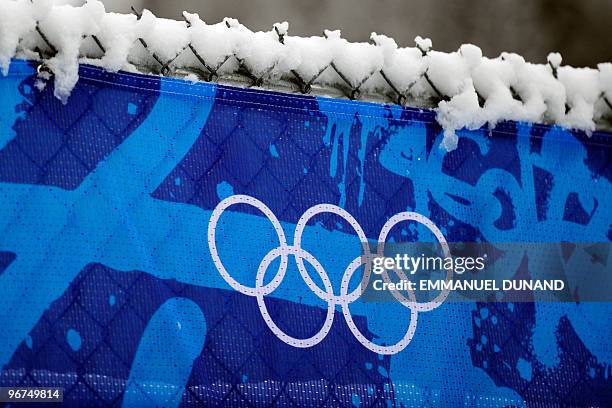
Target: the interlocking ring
(297, 241)
(212, 244)
(376, 348)
(344, 298)
(382, 238)
(329, 318)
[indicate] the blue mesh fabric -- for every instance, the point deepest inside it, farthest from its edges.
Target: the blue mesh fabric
(109, 290)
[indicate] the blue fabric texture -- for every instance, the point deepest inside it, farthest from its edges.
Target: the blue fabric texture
(109, 290)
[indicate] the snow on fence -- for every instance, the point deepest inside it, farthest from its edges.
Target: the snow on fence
(467, 89)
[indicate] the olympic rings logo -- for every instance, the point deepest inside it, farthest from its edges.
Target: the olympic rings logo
(344, 299)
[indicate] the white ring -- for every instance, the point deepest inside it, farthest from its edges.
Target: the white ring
(329, 318)
(363, 240)
(212, 243)
(382, 238)
(376, 348)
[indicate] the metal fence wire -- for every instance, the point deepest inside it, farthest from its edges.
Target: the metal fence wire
(421, 91)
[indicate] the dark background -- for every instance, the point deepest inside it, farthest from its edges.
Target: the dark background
(580, 29)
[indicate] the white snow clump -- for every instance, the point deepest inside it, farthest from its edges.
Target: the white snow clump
(467, 89)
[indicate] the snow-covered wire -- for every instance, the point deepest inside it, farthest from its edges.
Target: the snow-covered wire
(467, 89)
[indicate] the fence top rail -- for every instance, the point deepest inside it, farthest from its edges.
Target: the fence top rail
(466, 89)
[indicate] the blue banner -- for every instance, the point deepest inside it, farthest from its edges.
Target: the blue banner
(167, 243)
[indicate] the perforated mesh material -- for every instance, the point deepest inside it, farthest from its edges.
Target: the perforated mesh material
(277, 148)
